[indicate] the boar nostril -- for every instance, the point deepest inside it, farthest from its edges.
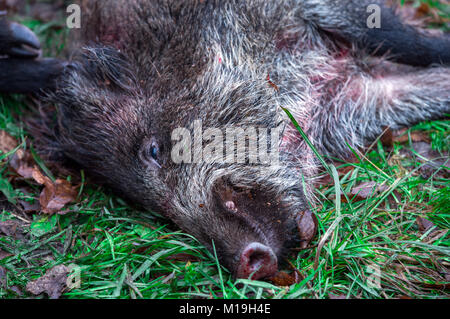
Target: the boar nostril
(231, 206)
(257, 261)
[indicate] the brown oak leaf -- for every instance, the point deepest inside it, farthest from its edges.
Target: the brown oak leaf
(307, 227)
(52, 283)
(55, 195)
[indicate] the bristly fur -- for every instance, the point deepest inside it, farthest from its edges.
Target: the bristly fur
(146, 68)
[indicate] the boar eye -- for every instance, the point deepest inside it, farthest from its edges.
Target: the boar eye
(150, 153)
(154, 151)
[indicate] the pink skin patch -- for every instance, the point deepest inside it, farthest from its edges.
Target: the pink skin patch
(231, 206)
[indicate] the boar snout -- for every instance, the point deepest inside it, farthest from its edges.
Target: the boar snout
(257, 261)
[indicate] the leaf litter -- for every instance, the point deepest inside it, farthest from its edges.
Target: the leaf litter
(53, 197)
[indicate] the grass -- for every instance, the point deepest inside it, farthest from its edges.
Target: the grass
(119, 252)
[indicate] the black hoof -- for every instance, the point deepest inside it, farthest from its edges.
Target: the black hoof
(17, 41)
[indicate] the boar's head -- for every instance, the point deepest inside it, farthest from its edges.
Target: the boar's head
(142, 137)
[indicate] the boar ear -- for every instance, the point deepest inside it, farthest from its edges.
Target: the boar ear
(107, 67)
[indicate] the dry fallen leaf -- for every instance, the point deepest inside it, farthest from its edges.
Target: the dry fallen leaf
(7, 142)
(416, 136)
(22, 163)
(367, 189)
(307, 227)
(387, 139)
(30, 208)
(8, 227)
(55, 195)
(328, 179)
(423, 9)
(283, 279)
(430, 14)
(40, 178)
(424, 224)
(52, 283)
(431, 160)
(351, 198)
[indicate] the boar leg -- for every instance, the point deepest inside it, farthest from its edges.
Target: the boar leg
(401, 42)
(19, 73)
(27, 76)
(365, 106)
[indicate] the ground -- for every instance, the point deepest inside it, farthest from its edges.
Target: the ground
(384, 220)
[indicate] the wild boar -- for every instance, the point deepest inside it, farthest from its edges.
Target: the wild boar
(158, 93)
